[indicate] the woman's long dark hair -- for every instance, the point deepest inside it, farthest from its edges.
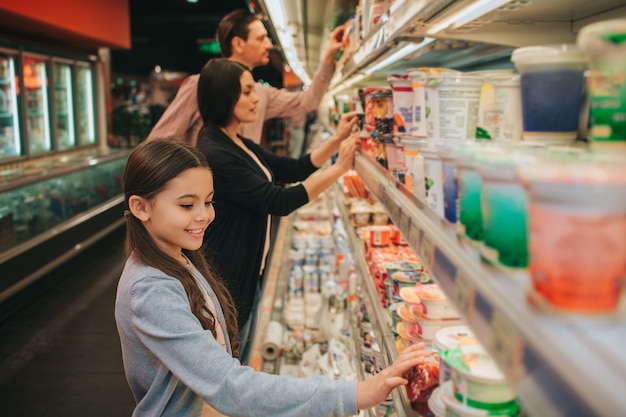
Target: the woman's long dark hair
(219, 88)
(149, 168)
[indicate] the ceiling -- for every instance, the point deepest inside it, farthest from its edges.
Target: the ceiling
(165, 33)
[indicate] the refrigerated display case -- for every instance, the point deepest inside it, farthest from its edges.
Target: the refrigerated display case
(35, 82)
(63, 105)
(53, 210)
(85, 105)
(10, 144)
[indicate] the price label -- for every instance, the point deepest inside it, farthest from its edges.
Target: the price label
(427, 253)
(403, 224)
(463, 295)
(414, 236)
(506, 345)
(390, 204)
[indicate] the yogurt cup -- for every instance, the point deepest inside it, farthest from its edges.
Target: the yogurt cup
(455, 408)
(452, 106)
(504, 203)
(552, 91)
(577, 215)
(426, 328)
(402, 90)
(603, 42)
(476, 380)
(500, 108)
(436, 404)
(414, 163)
(451, 338)
(419, 128)
(435, 305)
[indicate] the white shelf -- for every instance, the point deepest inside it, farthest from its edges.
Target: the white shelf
(559, 365)
(516, 23)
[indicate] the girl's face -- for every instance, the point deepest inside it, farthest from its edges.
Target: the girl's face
(245, 108)
(178, 215)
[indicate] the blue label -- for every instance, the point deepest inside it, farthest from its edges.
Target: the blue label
(551, 100)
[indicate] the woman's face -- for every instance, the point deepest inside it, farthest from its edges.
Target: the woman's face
(245, 108)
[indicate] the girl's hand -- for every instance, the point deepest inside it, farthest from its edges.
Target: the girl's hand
(346, 124)
(376, 389)
(348, 148)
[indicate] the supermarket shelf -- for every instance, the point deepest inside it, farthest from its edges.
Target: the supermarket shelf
(511, 23)
(378, 317)
(559, 365)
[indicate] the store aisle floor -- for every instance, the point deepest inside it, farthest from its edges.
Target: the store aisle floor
(59, 352)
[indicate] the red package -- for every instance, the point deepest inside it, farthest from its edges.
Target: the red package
(423, 379)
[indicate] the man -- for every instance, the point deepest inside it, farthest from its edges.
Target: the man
(243, 38)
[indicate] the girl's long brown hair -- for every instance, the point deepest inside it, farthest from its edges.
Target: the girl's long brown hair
(150, 166)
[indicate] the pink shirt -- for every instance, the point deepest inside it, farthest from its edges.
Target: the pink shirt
(182, 120)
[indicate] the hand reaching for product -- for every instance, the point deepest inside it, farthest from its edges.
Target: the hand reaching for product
(346, 125)
(376, 389)
(346, 152)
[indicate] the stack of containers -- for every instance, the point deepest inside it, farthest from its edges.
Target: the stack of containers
(477, 387)
(425, 311)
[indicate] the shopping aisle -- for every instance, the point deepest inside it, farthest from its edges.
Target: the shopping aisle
(60, 354)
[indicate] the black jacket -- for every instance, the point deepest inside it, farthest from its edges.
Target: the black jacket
(244, 197)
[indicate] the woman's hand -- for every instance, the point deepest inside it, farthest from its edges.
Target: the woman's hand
(346, 124)
(348, 148)
(335, 42)
(376, 389)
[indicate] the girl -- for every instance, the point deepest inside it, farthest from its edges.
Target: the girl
(176, 321)
(248, 181)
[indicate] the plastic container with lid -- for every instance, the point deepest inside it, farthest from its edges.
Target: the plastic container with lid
(433, 180)
(435, 305)
(450, 184)
(452, 105)
(426, 328)
(414, 163)
(455, 408)
(470, 188)
(577, 215)
(504, 203)
(552, 90)
(436, 404)
(402, 90)
(500, 108)
(451, 338)
(477, 381)
(604, 43)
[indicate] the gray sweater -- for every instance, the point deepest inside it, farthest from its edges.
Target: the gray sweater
(173, 365)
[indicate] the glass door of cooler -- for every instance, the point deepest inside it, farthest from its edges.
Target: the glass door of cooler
(63, 120)
(86, 106)
(36, 98)
(10, 145)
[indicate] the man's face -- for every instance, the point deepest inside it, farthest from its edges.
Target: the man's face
(255, 51)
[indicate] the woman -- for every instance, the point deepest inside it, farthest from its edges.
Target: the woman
(247, 178)
(176, 321)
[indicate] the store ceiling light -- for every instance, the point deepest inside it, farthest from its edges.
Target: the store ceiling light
(276, 9)
(466, 15)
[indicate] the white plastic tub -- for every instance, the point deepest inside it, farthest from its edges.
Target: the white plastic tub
(476, 380)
